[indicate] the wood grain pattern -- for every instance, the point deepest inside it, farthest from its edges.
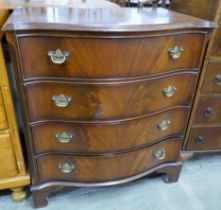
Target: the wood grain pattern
(216, 51)
(109, 101)
(3, 117)
(13, 173)
(108, 138)
(8, 164)
(210, 138)
(120, 93)
(106, 168)
(4, 13)
(109, 57)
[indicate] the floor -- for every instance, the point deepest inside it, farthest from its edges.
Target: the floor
(199, 188)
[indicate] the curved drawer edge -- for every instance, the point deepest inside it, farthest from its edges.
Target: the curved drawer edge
(103, 184)
(110, 81)
(109, 154)
(89, 122)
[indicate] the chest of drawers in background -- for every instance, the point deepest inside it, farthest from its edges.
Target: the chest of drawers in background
(107, 97)
(204, 132)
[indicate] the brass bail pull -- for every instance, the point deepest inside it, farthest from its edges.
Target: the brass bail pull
(159, 154)
(169, 91)
(175, 52)
(164, 125)
(58, 57)
(61, 100)
(64, 137)
(66, 167)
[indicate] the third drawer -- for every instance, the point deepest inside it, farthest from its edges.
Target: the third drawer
(92, 138)
(208, 110)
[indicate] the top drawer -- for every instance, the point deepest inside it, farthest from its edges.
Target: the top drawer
(108, 57)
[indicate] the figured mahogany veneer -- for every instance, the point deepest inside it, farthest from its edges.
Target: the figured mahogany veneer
(126, 80)
(92, 57)
(105, 168)
(107, 138)
(108, 101)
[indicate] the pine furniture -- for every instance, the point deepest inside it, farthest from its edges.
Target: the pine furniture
(13, 173)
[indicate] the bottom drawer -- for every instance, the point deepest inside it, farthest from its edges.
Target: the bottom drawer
(205, 138)
(106, 168)
(8, 167)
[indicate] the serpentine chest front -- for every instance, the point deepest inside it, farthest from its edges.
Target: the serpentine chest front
(105, 101)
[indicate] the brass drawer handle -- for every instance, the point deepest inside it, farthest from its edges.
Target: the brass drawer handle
(159, 154)
(169, 91)
(66, 167)
(58, 57)
(64, 137)
(164, 125)
(61, 100)
(208, 112)
(217, 79)
(200, 140)
(175, 52)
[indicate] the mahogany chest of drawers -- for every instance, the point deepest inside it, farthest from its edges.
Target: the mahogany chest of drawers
(106, 94)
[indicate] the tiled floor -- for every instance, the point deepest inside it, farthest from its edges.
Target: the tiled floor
(199, 188)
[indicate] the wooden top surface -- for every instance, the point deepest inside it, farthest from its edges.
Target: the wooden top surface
(103, 19)
(12, 4)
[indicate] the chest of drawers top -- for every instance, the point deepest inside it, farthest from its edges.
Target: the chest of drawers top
(103, 20)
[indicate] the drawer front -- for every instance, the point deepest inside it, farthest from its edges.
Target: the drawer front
(208, 110)
(96, 102)
(212, 82)
(8, 167)
(108, 57)
(108, 138)
(106, 168)
(205, 138)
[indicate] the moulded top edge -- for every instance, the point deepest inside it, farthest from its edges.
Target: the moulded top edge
(114, 19)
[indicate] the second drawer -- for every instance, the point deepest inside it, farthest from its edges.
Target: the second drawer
(111, 101)
(107, 138)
